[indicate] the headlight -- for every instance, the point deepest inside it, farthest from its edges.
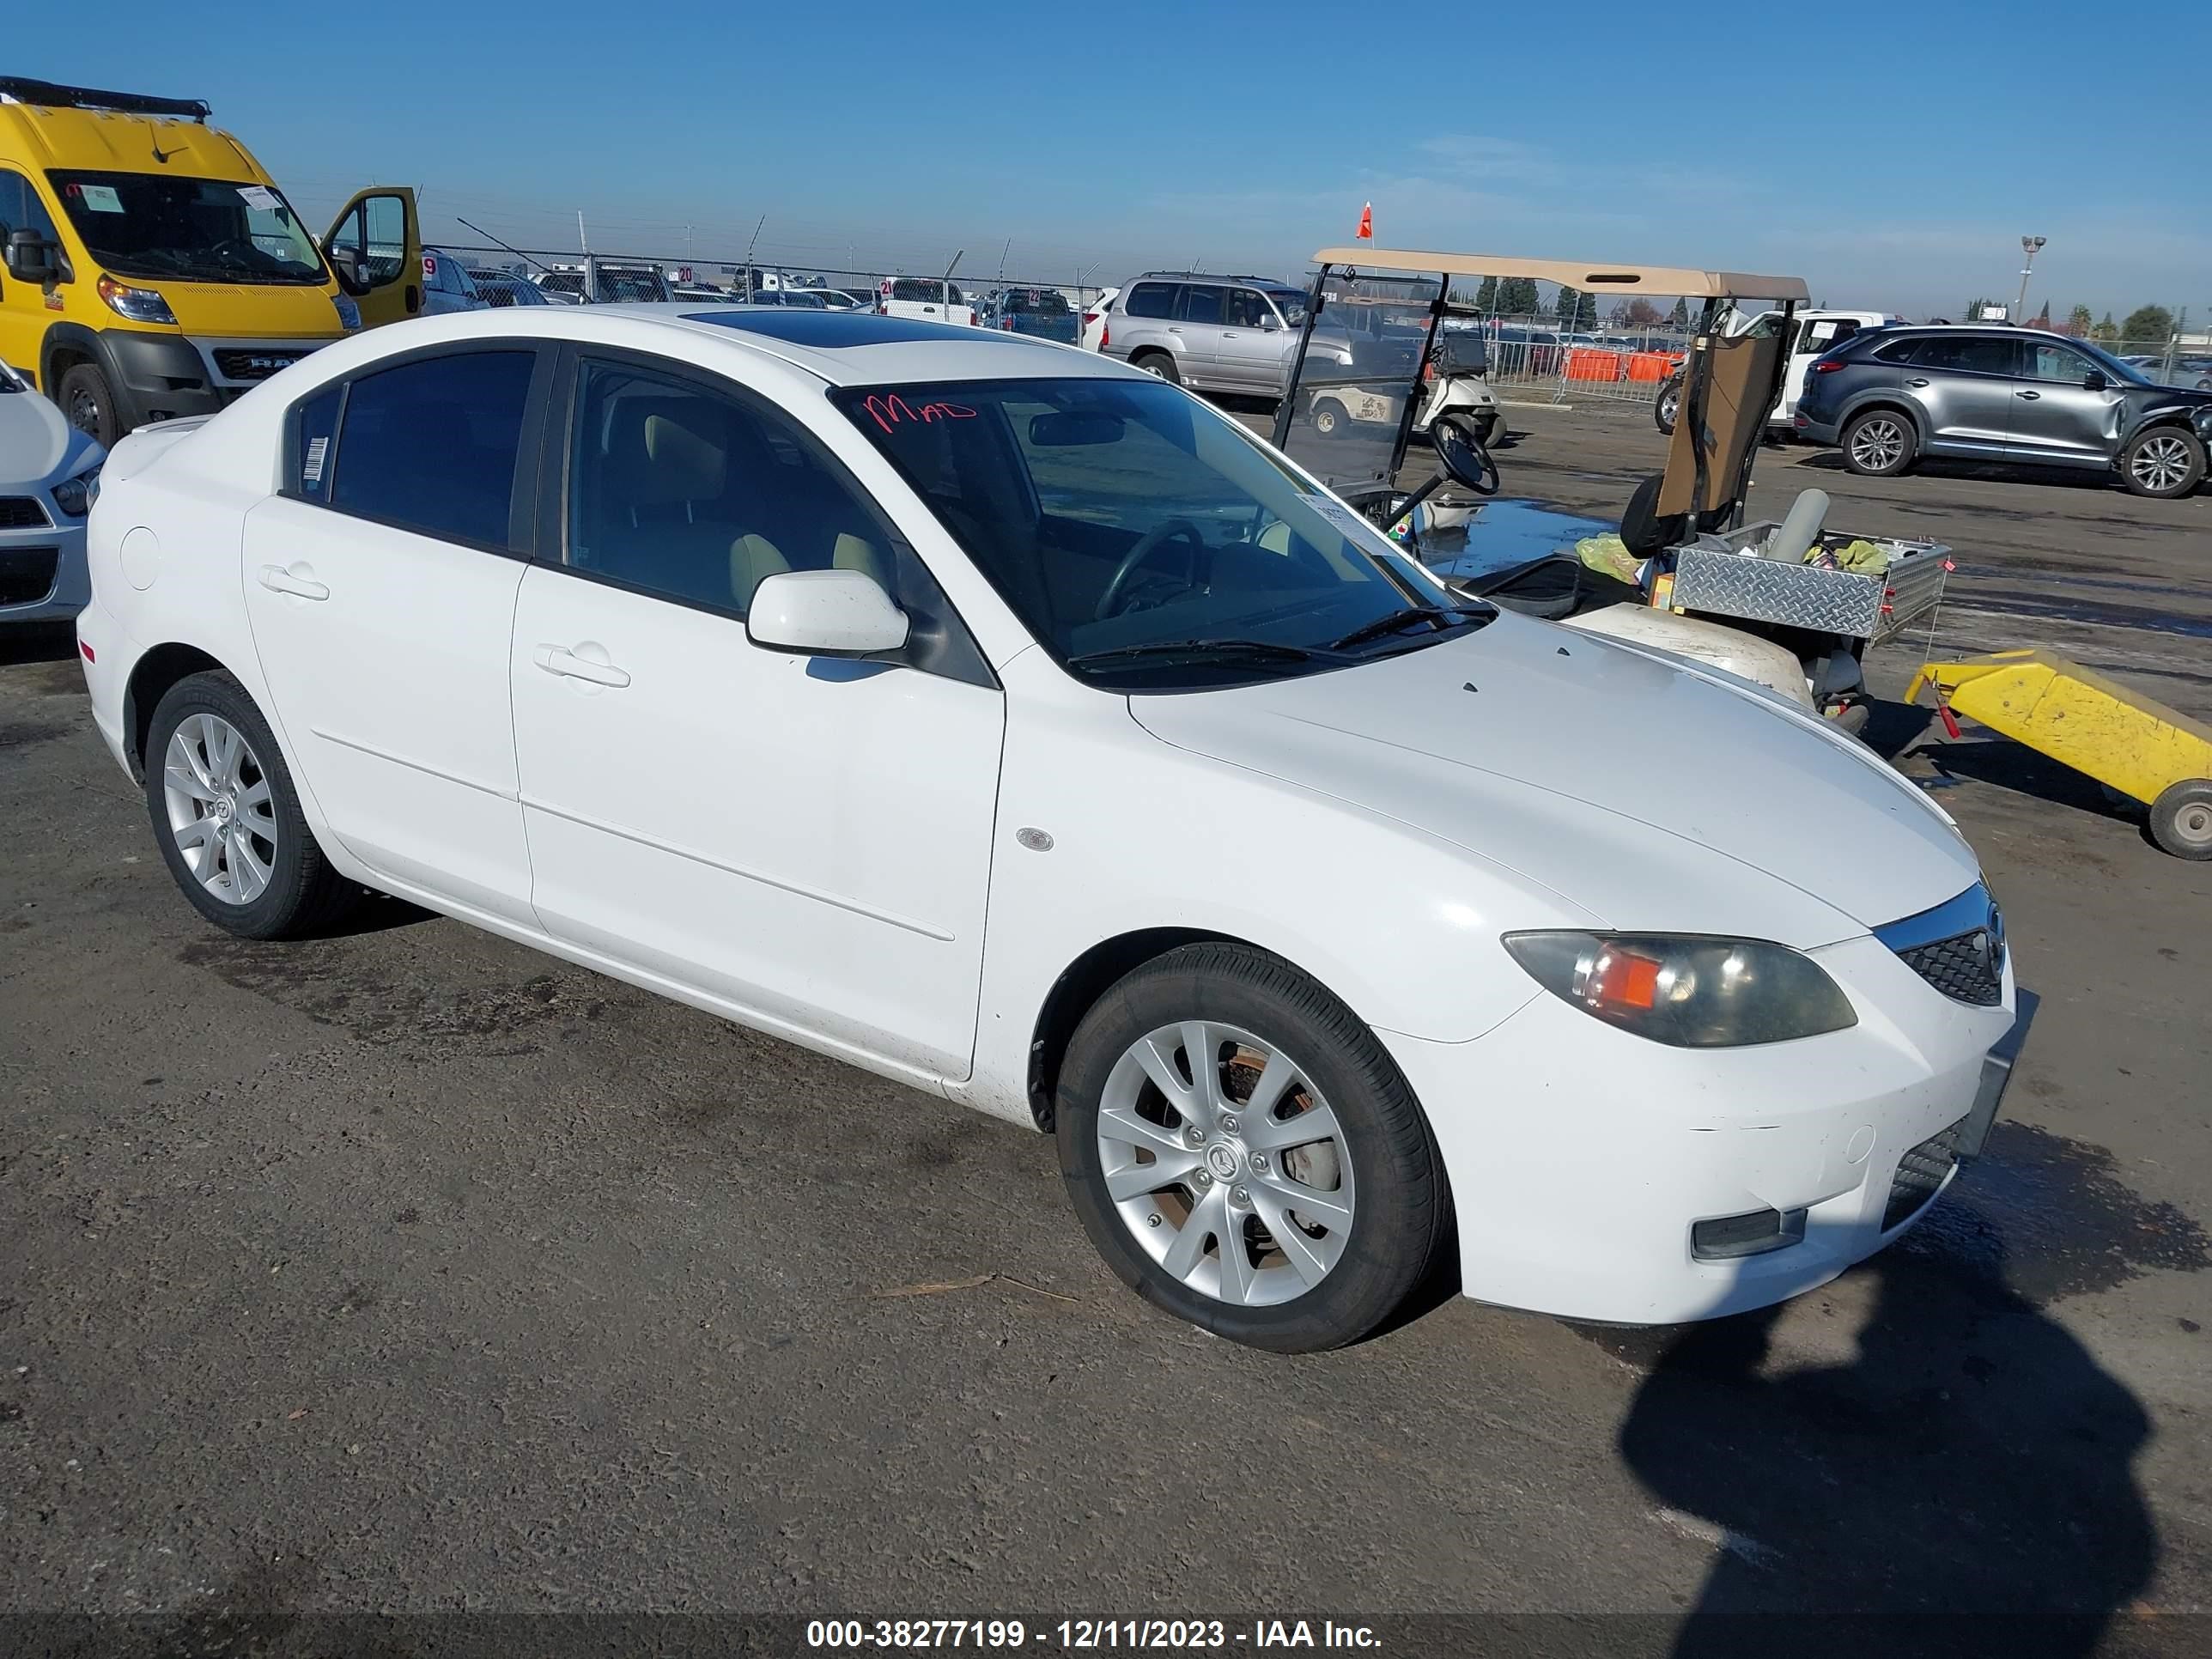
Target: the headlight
(140, 305)
(349, 312)
(74, 496)
(1687, 990)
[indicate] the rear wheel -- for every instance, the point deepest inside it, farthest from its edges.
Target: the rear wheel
(1331, 419)
(1244, 1153)
(2164, 462)
(228, 819)
(1668, 406)
(1160, 363)
(88, 403)
(1879, 444)
(2181, 819)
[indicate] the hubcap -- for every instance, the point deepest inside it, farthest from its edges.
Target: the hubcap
(2161, 462)
(2193, 823)
(221, 814)
(1225, 1163)
(1878, 443)
(1667, 405)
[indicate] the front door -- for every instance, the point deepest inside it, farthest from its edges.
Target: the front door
(25, 312)
(1254, 348)
(2059, 415)
(1963, 385)
(381, 588)
(375, 246)
(805, 841)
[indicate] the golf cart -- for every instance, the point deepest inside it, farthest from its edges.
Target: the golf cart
(1375, 321)
(1788, 605)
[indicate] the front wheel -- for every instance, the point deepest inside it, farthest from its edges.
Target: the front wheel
(88, 402)
(1879, 444)
(1667, 405)
(2164, 462)
(1245, 1155)
(228, 818)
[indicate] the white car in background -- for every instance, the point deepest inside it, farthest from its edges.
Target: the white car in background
(49, 475)
(924, 300)
(1094, 319)
(756, 656)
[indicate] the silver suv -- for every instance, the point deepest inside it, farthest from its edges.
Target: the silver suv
(1224, 333)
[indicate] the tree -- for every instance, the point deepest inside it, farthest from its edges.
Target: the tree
(1518, 297)
(2148, 326)
(1564, 308)
(2107, 332)
(1641, 314)
(2078, 322)
(1680, 317)
(1486, 297)
(2043, 317)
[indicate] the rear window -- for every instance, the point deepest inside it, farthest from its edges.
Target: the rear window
(429, 446)
(1043, 303)
(1148, 299)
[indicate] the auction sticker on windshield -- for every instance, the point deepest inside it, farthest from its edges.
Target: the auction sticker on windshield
(258, 195)
(100, 198)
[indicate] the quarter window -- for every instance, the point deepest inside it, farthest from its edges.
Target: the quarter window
(432, 445)
(696, 497)
(314, 462)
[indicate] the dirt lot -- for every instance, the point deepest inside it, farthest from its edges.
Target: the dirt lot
(409, 1270)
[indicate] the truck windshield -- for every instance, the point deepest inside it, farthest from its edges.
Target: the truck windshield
(204, 230)
(1146, 542)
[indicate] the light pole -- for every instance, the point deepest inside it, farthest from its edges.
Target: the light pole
(2028, 248)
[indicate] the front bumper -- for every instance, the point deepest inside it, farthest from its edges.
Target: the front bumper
(43, 577)
(1582, 1158)
(163, 377)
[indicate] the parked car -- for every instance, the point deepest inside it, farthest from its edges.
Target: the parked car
(613, 283)
(1221, 333)
(448, 285)
(1041, 313)
(1813, 332)
(701, 294)
(795, 299)
(838, 299)
(49, 474)
(1094, 319)
(1891, 396)
(1627, 1056)
(863, 298)
(507, 288)
(923, 298)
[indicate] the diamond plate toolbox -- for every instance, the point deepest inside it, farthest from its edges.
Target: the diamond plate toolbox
(1845, 602)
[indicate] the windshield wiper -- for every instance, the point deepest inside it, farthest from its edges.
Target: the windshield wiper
(1440, 616)
(1201, 650)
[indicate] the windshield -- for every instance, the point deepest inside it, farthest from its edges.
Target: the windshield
(618, 286)
(1148, 543)
(205, 230)
(1292, 303)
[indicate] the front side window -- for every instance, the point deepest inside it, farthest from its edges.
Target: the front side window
(21, 209)
(202, 230)
(692, 495)
(370, 247)
(1244, 308)
(1150, 299)
(2056, 363)
(1146, 542)
(432, 445)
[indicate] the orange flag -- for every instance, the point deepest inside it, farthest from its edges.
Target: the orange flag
(1367, 222)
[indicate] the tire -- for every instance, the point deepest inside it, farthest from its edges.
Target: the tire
(88, 402)
(1666, 406)
(2162, 462)
(2181, 819)
(1880, 444)
(1160, 363)
(1378, 1170)
(270, 881)
(1331, 419)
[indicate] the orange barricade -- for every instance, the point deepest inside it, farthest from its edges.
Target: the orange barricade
(1584, 364)
(1653, 365)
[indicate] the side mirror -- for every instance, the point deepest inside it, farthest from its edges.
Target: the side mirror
(825, 613)
(1269, 323)
(31, 258)
(2094, 380)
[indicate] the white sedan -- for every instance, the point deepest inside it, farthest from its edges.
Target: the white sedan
(1005, 721)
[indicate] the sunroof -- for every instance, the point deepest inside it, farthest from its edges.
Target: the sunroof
(839, 328)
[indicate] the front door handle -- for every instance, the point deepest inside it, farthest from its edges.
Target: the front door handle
(1916, 383)
(2030, 396)
(559, 660)
(298, 581)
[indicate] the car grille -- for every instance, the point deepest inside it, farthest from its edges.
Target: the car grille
(237, 363)
(1920, 1172)
(27, 574)
(1966, 967)
(22, 513)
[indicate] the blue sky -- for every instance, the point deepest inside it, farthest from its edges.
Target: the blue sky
(1892, 156)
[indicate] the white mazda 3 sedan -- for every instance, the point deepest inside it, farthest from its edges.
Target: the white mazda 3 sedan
(1004, 720)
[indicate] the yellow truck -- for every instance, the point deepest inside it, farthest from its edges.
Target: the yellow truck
(153, 268)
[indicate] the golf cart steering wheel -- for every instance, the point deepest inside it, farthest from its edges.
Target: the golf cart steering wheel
(1464, 458)
(1183, 529)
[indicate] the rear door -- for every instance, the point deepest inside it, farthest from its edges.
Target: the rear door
(1198, 328)
(1962, 385)
(2056, 415)
(375, 246)
(1815, 336)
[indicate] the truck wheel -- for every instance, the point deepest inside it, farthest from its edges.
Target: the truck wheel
(1669, 405)
(1879, 444)
(2164, 462)
(88, 403)
(1160, 363)
(2181, 819)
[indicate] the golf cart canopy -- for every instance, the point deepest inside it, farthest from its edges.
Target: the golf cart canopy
(1569, 273)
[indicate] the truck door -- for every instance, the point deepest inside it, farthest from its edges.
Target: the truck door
(375, 247)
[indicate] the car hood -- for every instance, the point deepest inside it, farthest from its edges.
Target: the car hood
(1645, 796)
(257, 311)
(38, 447)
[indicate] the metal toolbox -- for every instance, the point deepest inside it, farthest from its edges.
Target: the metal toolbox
(1712, 580)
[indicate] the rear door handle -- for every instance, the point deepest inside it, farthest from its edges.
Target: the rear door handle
(1916, 383)
(2030, 395)
(559, 660)
(298, 582)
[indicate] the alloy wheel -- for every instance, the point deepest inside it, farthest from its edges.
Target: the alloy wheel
(1878, 444)
(2161, 463)
(220, 811)
(1669, 406)
(1225, 1163)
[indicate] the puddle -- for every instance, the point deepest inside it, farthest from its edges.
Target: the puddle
(22, 734)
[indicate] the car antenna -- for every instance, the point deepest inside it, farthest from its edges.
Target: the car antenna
(488, 237)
